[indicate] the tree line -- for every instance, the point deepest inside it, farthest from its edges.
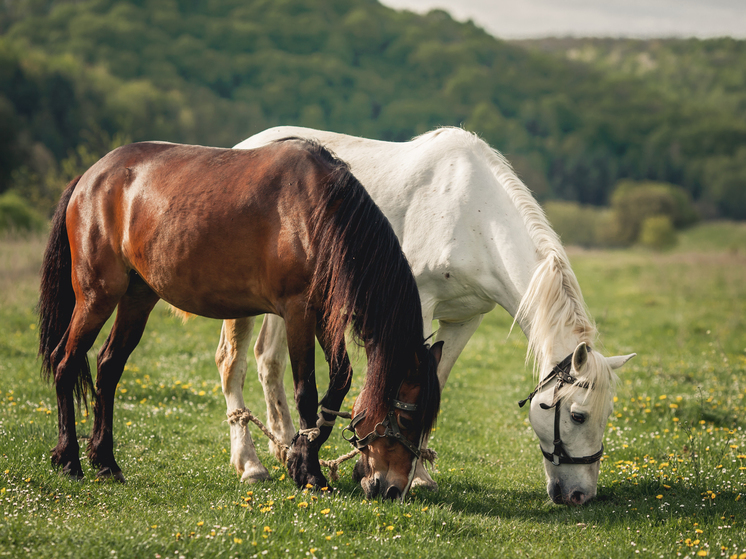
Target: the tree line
(79, 77)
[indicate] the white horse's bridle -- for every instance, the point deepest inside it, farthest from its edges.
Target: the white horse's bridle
(561, 372)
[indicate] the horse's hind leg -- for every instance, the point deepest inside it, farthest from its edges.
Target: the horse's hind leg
(132, 315)
(70, 362)
(271, 359)
(231, 359)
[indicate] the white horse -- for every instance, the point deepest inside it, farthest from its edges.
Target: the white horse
(475, 238)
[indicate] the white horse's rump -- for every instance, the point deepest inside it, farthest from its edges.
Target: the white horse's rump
(475, 237)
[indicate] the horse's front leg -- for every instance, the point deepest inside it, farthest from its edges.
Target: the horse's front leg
(231, 359)
(454, 336)
(303, 458)
(340, 380)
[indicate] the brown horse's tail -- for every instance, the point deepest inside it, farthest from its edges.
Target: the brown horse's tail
(56, 297)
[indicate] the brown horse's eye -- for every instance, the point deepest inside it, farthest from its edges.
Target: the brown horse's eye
(405, 423)
(577, 417)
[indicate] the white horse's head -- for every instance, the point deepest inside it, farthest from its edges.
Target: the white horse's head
(569, 411)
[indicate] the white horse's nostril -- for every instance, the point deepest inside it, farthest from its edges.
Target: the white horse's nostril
(577, 498)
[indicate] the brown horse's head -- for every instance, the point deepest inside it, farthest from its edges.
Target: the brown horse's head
(390, 438)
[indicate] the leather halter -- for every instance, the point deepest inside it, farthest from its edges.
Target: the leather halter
(390, 429)
(561, 372)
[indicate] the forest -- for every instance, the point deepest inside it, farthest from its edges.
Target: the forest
(574, 116)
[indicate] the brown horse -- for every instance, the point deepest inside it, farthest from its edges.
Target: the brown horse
(283, 229)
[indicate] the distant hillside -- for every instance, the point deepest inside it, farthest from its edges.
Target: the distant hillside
(76, 77)
(711, 73)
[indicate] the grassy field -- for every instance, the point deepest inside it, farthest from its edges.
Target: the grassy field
(673, 481)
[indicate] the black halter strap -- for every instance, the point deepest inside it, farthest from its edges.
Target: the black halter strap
(561, 373)
(390, 429)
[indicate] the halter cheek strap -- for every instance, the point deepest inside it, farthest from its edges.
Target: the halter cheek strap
(561, 373)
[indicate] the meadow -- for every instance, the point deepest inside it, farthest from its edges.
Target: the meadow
(672, 484)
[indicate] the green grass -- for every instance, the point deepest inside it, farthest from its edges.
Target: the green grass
(673, 481)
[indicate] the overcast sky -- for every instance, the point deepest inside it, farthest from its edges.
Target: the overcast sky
(518, 19)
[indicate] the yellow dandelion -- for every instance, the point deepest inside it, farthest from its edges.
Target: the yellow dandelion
(326, 511)
(309, 486)
(290, 498)
(303, 504)
(282, 477)
(389, 527)
(702, 552)
(340, 533)
(267, 529)
(200, 523)
(662, 397)
(659, 496)
(328, 538)
(237, 540)
(425, 509)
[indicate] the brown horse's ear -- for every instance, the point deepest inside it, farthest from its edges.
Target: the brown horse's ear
(437, 351)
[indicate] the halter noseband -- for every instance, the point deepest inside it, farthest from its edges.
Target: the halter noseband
(559, 455)
(390, 429)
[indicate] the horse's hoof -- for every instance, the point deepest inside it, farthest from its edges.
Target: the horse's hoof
(71, 469)
(255, 474)
(107, 473)
(428, 484)
(71, 474)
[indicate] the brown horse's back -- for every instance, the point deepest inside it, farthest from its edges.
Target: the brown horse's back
(215, 232)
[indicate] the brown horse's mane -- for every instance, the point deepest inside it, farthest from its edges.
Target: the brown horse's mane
(367, 284)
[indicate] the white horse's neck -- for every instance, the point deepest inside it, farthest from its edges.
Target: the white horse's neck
(550, 310)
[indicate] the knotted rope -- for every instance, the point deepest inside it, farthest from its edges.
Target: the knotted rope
(244, 415)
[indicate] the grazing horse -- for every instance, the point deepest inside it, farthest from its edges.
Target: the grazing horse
(283, 229)
(475, 238)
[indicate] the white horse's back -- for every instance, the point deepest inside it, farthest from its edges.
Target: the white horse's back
(466, 241)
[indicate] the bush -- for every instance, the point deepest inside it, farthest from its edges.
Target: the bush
(587, 226)
(657, 232)
(634, 202)
(16, 216)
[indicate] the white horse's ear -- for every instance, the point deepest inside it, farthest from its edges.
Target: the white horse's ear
(580, 357)
(619, 360)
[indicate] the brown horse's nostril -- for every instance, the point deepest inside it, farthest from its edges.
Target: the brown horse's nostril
(577, 498)
(392, 493)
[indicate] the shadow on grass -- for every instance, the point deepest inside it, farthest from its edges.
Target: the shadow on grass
(619, 505)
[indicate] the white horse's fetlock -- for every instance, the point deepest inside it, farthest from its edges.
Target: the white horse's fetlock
(279, 452)
(422, 479)
(253, 474)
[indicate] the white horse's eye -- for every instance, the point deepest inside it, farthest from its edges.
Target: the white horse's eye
(577, 417)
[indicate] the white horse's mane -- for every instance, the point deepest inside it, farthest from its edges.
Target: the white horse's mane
(553, 301)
